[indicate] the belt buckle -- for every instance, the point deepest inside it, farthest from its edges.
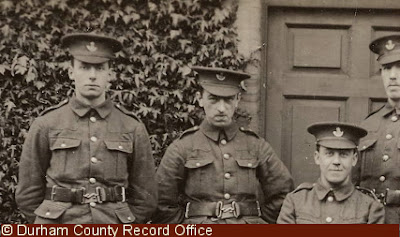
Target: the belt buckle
(220, 210)
(258, 208)
(187, 210)
(53, 192)
(100, 194)
(123, 194)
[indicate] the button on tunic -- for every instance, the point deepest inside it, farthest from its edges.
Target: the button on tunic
(210, 165)
(379, 164)
(75, 146)
(316, 204)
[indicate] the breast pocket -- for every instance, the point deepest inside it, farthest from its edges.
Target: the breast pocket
(247, 178)
(306, 218)
(120, 153)
(64, 153)
(200, 173)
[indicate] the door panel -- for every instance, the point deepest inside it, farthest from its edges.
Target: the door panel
(319, 68)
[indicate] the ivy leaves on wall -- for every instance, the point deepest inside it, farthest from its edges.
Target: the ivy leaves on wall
(152, 75)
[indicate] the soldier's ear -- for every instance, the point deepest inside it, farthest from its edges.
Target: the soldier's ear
(71, 72)
(199, 98)
(239, 96)
(355, 158)
(316, 158)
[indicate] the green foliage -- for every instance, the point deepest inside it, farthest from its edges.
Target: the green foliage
(161, 38)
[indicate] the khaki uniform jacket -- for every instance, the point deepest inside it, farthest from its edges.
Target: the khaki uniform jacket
(379, 167)
(75, 146)
(209, 165)
(315, 204)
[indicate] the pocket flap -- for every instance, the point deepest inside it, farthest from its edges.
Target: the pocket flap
(124, 146)
(247, 163)
(51, 210)
(364, 145)
(197, 163)
(64, 143)
(125, 215)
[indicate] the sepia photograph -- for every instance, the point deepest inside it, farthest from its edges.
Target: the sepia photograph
(199, 112)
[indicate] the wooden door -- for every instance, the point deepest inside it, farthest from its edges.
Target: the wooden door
(319, 68)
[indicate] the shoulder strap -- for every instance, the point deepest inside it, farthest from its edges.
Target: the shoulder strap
(368, 192)
(51, 108)
(127, 112)
(189, 131)
(302, 186)
(249, 131)
(374, 112)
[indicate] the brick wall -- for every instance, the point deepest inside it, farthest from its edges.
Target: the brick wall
(249, 29)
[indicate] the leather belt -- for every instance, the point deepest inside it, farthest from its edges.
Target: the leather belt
(79, 195)
(391, 197)
(221, 210)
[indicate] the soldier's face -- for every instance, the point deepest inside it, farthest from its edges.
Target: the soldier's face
(335, 165)
(219, 110)
(391, 80)
(91, 80)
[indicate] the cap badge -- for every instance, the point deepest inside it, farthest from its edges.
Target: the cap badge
(389, 45)
(220, 77)
(338, 132)
(91, 47)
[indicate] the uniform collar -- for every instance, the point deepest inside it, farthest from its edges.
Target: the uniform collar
(81, 109)
(387, 109)
(216, 134)
(340, 194)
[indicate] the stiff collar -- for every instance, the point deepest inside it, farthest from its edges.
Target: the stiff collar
(216, 133)
(340, 194)
(388, 109)
(81, 109)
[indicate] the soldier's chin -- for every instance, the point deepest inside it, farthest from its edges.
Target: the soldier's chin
(91, 95)
(394, 97)
(221, 123)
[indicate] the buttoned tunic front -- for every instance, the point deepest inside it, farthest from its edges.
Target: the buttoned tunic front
(207, 164)
(316, 204)
(379, 167)
(75, 146)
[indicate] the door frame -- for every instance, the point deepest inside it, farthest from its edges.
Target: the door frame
(266, 4)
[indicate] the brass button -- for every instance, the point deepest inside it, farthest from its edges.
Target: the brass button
(129, 218)
(364, 147)
(250, 165)
(330, 199)
(63, 145)
(385, 157)
(394, 118)
(120, 147)
(223, 142)
(93, 139)
(48, 213)
(93, 160)
(226, 156)
(93, 119)
(92, 180)
(227, 196)
(197, 164)
(389, 136)
(92, 204)
(382, 178)
(227, 175)
(329, 219)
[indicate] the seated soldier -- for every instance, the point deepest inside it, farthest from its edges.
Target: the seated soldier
(333, 198)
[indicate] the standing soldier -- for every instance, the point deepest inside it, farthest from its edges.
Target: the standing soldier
(380, 154)
(212, 173)
(333, 198)
(87, 160)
